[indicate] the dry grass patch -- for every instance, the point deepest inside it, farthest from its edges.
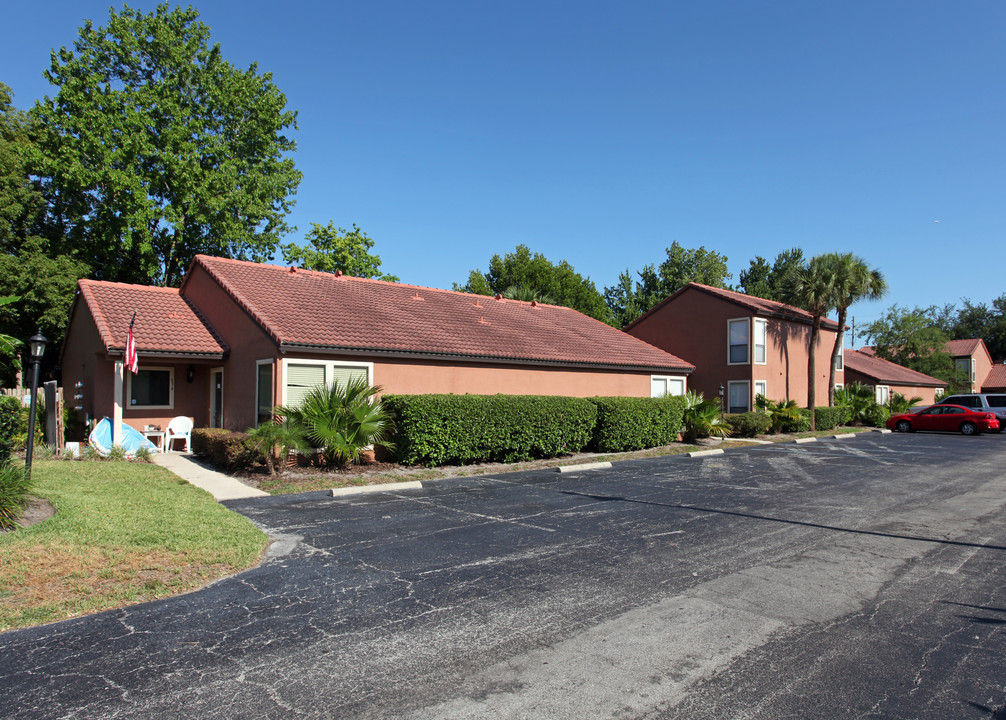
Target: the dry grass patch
(122, 533)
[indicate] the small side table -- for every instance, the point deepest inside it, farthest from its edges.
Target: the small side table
(157, 437)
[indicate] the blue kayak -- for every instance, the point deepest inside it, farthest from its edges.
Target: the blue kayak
(129, 438)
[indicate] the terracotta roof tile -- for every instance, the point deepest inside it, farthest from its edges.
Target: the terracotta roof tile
(758, 305)
(316, 309)
(165, 322)
(996, 379)
(887, 372)
(960, 348)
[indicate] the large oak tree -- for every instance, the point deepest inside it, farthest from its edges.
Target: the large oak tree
(156, 148)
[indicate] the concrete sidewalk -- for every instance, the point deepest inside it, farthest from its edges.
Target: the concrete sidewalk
(220, 486)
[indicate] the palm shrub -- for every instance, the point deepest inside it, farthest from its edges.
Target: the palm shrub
(702, 418)
(273, 442)
(858, 399)
(14, 490)
(899, 404)
(341, 419)
(782, 414)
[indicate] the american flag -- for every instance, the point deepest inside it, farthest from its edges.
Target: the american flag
(131, 361)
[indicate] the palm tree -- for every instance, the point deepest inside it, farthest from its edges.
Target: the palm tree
(811, 287)
(853, 281)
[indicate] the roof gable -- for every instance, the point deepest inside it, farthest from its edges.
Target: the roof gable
(165, 322)
(318, 310)
(887, 372)
(966, 347)
(757, 305)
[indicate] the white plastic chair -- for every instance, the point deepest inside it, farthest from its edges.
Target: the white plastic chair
(180, 428)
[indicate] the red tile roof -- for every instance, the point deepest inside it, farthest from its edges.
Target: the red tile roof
(165, 322)
(996, 379)
(759, 306)
(960, 348)
(887, 372)
(306, 309)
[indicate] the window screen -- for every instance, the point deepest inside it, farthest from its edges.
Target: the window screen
(150, 388)
(738, 341)
(738, 400)
(265, 399)
(759, 340)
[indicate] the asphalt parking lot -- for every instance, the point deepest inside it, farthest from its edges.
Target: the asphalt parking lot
(860, 577)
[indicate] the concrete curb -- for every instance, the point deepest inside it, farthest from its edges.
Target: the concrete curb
(883, 431)
(805, 440)
(583, 466)
(703, 453)
(843, 436)
(386, 487)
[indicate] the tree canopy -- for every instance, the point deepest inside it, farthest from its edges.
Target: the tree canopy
(913, 338)
(767, 281)
(521, 273)
(155, 149)
(332, 248)
(629, 299)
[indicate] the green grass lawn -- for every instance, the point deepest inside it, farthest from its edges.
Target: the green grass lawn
(123, 533)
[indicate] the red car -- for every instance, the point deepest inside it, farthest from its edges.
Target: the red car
(952, 418)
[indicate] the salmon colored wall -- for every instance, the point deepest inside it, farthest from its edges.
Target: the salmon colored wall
(983, 365)
(414, 378)
(247, 341)
(694, 327)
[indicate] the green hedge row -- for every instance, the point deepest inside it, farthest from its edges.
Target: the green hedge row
(224, 449)
(628, 423)
(442, 429)
(828, 418)
(749, 424)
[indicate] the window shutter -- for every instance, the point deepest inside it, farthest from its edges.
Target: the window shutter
(342, 374)
(300, 379)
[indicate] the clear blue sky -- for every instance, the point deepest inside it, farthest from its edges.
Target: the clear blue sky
(600, 132)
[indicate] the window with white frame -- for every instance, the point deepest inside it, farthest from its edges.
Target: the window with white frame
(760, 338)
(301, 376)
(840, 359)
(737, 332)
(761, 388)
(264, 400)
(738, 396)
(939, 392)
(665, 385)
(883, 394)
(968, 366)
(839, 386)
(152, 387)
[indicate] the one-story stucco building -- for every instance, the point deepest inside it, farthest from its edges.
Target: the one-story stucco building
(238, 338)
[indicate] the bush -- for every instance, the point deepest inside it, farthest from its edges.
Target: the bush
(14, 489)
(10, 425)
(441, 429)
(828, 418)
(341, 419)
(876, 416)
(630, 423)
(702, 418)
(801, 423)
(223, 449)
(749, 424)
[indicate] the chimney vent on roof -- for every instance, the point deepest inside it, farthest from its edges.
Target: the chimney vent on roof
(417, 296)
(293, 268)
(338, 273)
(483, 321)
(534, 304)
(498, 296)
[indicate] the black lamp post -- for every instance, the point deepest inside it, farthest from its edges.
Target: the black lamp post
(723, 410)
(37, 346)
